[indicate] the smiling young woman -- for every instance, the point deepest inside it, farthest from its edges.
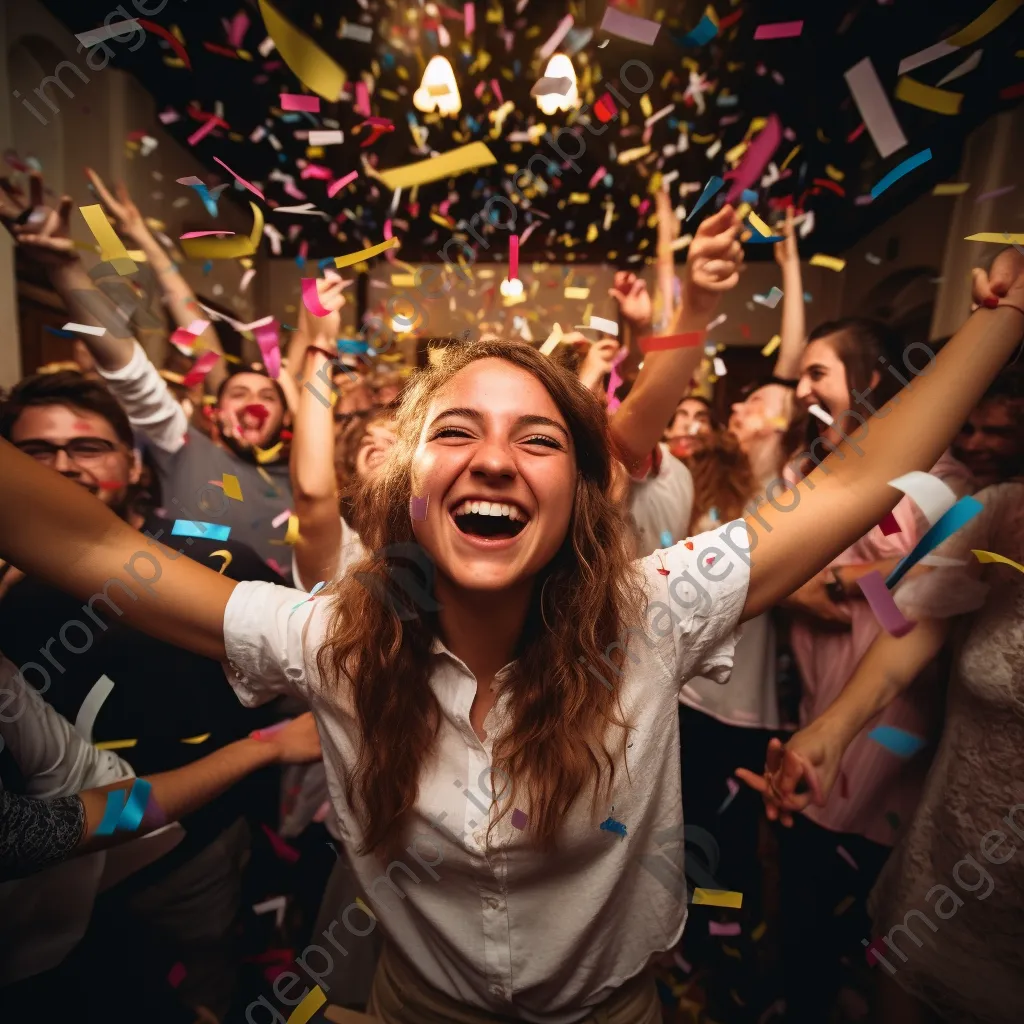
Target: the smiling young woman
(409, 711)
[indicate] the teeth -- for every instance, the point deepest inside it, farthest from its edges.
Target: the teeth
(489, 508)
(474, 506)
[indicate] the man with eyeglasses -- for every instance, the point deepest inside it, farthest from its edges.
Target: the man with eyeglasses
(167, 707)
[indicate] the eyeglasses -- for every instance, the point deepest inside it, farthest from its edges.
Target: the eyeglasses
(79, 449)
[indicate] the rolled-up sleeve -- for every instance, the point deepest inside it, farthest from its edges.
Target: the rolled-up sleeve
(272, 635)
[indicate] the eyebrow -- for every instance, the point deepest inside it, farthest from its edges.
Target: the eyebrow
(529, 420)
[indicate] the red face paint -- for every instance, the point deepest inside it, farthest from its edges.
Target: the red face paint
(258, 412)
(80, 425)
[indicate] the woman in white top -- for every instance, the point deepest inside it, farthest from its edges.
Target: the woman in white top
(536, 911)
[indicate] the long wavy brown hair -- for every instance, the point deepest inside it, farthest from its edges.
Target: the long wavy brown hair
(564, 725)
(722, 479)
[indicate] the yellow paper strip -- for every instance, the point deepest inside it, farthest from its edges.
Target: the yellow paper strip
(265, 455)
(995, 236)
(311, 65)
(195, 740)
(447, 165)
(942, 101)
(772, 345)
(834, 173)
(759, 225)
(305, 1010)
(112, 249)
(403, 280)
(232, 488)
(577, 293)
(292, 533)
(991, 556)
(989, 19)
(627, 156)
(226, 248)
(793, 152)
(830, 262)
(365, 254)
(717, 898)
(115, 744)
(951, 188)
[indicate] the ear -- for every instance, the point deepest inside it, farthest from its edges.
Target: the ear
(876, 376)
(135, 472)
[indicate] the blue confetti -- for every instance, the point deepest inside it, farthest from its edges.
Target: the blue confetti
(710, 190)
(748, 195)
(208, 531)
(611, 825)
(666, 539)
(908, 165)
(959, 515)
(703, 32)
(112, 813)
(898, 741)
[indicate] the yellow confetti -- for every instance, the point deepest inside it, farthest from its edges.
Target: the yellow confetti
(717, 898)
(318, 72)
(991, 556)
(226, 554)
(645, 105)
(928, 97)
(309, 1005)
(361, 904)
(759, 931)
(365, 254)
(759, 225)
(834, 173)
(772, 345)
(829, 262)
(195, 740)
(115, 744)
(403, 280)
(226, 248)
(995, 236)
(951, 188)
(627, 156)
(232, 488)
(265, 455)
(112, 249)
(736, 152)
(447, 165)
(577, 293)
(788, 160)
(291, 535)
(579, 197)
(843, 907)
(989, 19)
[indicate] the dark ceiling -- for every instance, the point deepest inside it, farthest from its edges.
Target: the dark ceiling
(800, 79)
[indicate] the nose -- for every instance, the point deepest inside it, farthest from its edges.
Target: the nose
(804, 389)
(970, 441)
(64, 465)
(493, 459)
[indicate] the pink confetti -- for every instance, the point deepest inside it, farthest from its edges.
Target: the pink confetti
(362, 104)
(779, 30)
(513, 257)
(714, 928)
(888, 525)
(311, 298)
(734, 787)
(322, 811)
(291, 189)
(281, 848)
(469, 13)
(598, 175)
(203, 234)
(299, 101)
(203, 365)
(281, 518)
(169, 116)
(236, 29)
(338, 185)
(176, 975)
(200, 133)
(266, 338)
(756, 158)
(248, 184)
(880, 598)
(497, 90)
(317, 171)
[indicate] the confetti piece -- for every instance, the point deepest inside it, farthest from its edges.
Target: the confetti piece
(599, 323)
(672, 341)
(718, 898)
(176, 975)
(265, 455)
(556, 37)
(900, 170)
(988, 20)
(418, 508)
(900, 742)
(951, 188)
(843, 906)
(758, 933)
(518, 819)
(760, 227)
(715, 928)
(365, 254)
(993, 236)
(232, 488)
(874, 107)
(103, 32)
(305, 1010)
(888, 525)
(931, 495)
(755, 159)
(710, 190)
(202, 366)
(513, 257)
(880, 598)
(551, 87)
(169, 38)
(817, 411)
(208, 125)
(771, 300)
(611, 825)
(196, 740)
(115, 744)
(311, 298)
(734, 787)
(941, 101)
(96, 332)
(962, 69)
(228, 248)
(576, 293)
(248, 184)
(86, 717)
(278, 904)
(779, 30)
(985, 556)
(299, 101)
(111, 813)
(280, 847)
(291, 536)
(844, 853)
(829, 262)
(194, 528)
(280, 518)
(704, 31)
(335, 187)
(994, 194)
(112, 249)
(626, 26)
(318, 72)
(772, 345)
(450, 164)
(326, 138)
(959, 515)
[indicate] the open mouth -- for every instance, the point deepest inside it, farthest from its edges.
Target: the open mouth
(491, 520)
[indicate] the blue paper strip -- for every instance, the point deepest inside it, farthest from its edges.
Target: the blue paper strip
(112, 812)
(207, 531)
(908, 165)
(756, 239)
(960, 514)
(135, 808)
(898, 741)
(703, 32)
(710, 189)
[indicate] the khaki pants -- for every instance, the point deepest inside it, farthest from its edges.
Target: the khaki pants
(400, 996)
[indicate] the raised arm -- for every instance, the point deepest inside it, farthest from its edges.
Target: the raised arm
(794, 324)
(668, 232)
(848, 493)
(178, 296)
(314, 484)
(53, 529)
(712, 267)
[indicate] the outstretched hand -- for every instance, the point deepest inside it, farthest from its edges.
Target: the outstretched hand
(129, 220)
(42, 232)
(330, 291)
(1003, 280)
(630, 292)
(807, 758)
(713, 263)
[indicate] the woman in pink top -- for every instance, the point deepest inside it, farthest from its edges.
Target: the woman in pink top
(835, 852)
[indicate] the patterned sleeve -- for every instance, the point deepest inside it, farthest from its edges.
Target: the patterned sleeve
(37, 833)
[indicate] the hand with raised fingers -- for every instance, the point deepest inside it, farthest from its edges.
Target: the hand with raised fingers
(807, 760)
(42, 232)
(630, 292)
(1004, 280)
(129, 219)
(787, 251)
(713, 263)
(598, 360)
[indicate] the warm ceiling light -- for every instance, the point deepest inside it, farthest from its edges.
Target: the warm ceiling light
(438, 90)
(511, 288)
(550, 103)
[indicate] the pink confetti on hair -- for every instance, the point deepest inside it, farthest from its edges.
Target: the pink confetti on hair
(846, 856)
(299, 101)
(248, 184)
(335, 187)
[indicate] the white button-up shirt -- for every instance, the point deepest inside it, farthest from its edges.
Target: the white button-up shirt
(500, 925)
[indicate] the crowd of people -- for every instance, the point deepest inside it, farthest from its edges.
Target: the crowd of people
(484, 617)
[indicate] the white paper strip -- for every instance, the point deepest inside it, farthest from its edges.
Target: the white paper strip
(608, 326)
(933, 497)
(361, 33)
(86, 717)
(915, 60)
(326, 138)
(962, 69)
(816, 410)
(96, 332)
(103, 32)
(875, 108)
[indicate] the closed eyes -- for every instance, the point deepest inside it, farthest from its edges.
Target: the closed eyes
(538, 439)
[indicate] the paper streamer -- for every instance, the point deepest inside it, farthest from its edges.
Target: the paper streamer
(135, 808)
(305, 1010)
(96, 332)
(900, 170)
(365, 254)
(232, 488)
(103, 32)
(194, 741)
(880, 599)
(985, 556)
(311, 298)
(671, 341)
(959, 515)
(86, 717)
(900, 742)
(298, 101)
(248, 184)
(933, 497)
(779, 30)
(335, 187)
(111, 813)
(318, 72)
(112, 249)
(711, 189)
(265, 455)
(983, 236)
(227, 248)
(447, 165)
(717, 898)
(941, 101)
(599, 323)
(755, 159)
(169, 38)
(194, 528)
(874, 107)
(988, 20)
(267, 340)
(202, 366)
(626, 26)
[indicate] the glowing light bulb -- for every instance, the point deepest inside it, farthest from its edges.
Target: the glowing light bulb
(438, 89)
(511, 288)
(560, 66)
